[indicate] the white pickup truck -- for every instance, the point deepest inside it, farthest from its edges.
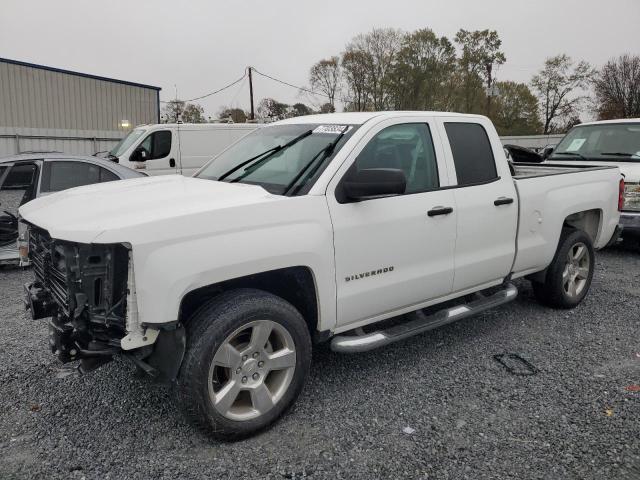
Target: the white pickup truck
(358, 228)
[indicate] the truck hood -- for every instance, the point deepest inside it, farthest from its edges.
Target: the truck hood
(82, 214)
(630, 170)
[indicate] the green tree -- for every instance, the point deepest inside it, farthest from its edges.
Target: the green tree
(270, 109)
(172, 111)
(480, 53)
(421, 78)
(327, 108)
(237, 115)
(299, 109)
(515, 111)
(560, 88)
(193, 113)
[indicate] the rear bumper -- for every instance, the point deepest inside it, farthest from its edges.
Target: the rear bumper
(630, 222)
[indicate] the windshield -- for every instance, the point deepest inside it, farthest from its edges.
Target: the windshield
(126, 142)
(276, 170)
(609, 141)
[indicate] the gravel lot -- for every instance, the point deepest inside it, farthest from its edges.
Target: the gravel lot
(471, 418)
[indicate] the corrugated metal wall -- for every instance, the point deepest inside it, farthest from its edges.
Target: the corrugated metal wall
(81, 142)
(33, 97)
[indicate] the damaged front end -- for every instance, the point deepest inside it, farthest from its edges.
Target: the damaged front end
(88, 292)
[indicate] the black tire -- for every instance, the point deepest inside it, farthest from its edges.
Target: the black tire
(207, 329)
(552, 292)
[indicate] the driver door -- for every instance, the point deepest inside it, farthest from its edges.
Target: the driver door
(161, 150)
(394, 253)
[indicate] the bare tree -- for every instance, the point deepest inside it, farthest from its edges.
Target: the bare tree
(559, 87)
(325, 77)
(617, 88)
(172, 111)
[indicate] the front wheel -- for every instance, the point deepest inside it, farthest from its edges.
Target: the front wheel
(248, 354)
(569, 276)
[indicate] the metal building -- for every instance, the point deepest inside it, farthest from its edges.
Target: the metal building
(45, 108)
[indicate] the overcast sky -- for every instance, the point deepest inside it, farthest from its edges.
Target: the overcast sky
(200, 45)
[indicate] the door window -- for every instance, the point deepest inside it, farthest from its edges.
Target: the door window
(472, 154)
(157, 145)
(18, 187)
(408, 147)
(63, 175)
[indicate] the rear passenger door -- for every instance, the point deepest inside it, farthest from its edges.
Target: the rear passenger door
(486, 202)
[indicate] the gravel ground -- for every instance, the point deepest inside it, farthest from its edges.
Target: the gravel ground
(468, 417)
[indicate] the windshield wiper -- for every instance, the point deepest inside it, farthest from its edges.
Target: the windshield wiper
(262, 157)
(575, 154)
(322, 154)
(618, 154)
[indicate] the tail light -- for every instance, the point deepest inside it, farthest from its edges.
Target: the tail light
(621, 195)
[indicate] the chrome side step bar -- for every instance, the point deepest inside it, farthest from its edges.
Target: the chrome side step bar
(366, 342)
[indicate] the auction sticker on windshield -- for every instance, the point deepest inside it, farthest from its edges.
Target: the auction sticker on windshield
(335, 129)
(576, 144)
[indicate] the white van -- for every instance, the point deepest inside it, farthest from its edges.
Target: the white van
(176, 148)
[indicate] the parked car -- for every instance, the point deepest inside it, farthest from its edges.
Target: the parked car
(311, 229)
(610, 142)
(28, 176)
(176, 148)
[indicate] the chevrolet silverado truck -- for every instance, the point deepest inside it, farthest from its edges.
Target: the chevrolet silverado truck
(608, 142)
(360, 229)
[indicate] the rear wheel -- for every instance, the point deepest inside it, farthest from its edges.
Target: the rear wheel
(248, 354)
(569, 276)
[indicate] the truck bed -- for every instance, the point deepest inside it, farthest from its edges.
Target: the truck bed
(548, 195)
(532, 170)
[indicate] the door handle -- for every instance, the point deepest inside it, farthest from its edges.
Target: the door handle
(502, 201)
(172, 162)
(439, 211)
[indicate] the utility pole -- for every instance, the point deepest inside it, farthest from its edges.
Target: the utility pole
(489, 68)
(252, 116)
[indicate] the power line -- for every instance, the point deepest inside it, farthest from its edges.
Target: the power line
(290, 85)
(216, 91)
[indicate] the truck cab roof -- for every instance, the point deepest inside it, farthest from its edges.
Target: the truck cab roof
(359, 118)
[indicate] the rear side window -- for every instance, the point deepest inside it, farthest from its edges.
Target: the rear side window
(63, 175)
(472, 154)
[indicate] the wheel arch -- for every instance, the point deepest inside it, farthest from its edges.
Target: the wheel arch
(297, 285)
(589, 221)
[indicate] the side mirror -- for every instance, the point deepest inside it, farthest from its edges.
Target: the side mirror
(546, 153)
(374, 182)
(139, 155)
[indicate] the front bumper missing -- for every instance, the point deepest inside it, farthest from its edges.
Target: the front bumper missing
(157, 352)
